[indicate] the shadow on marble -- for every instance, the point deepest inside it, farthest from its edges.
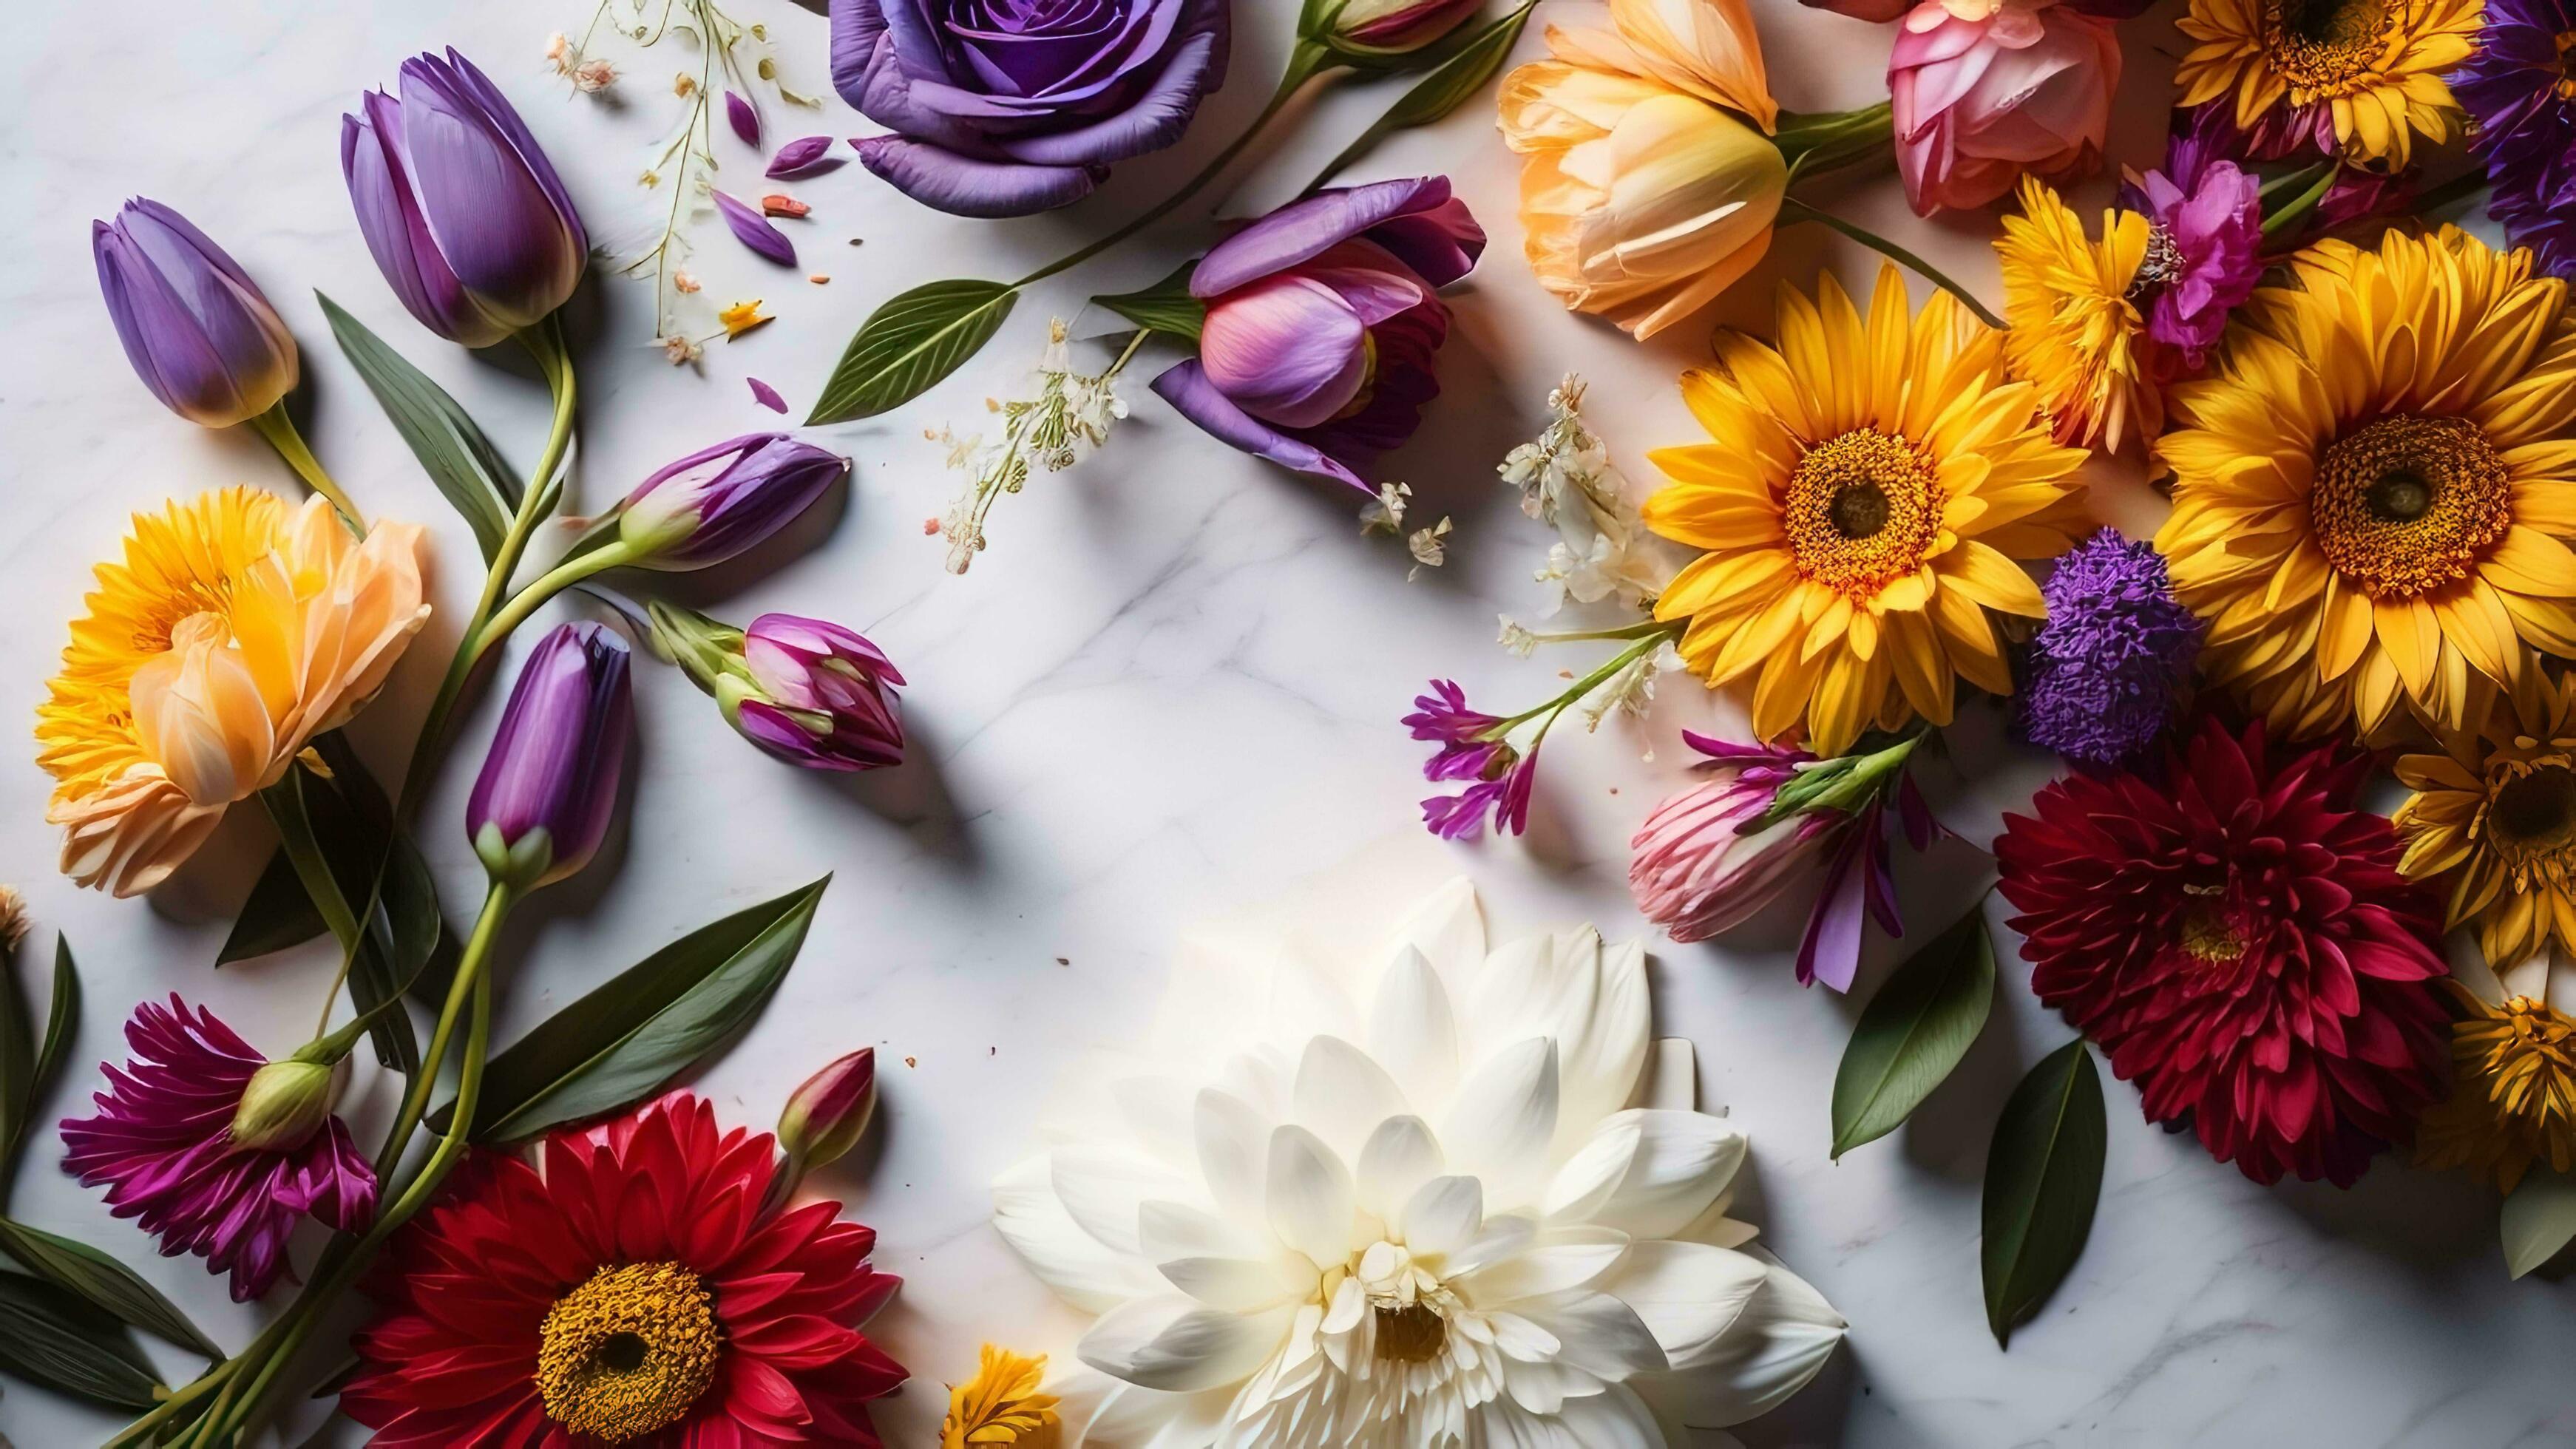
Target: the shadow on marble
(915, 797)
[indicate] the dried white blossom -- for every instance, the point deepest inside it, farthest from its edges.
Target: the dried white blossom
(1070, 414)
(1516, 637)
(1632, 689)
(1386, 515)
(680, 350)
(13, 918)
(1567, 481)
(1430, 548)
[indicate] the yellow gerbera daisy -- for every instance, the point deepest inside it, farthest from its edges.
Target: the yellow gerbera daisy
(233, 632)
(2371, 490)
(2375, 66)
(2513, 1092)
(1873, 484)
(2075, 334)
(2501, 811)
(1001, 1405)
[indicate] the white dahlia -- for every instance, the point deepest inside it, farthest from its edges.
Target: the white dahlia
(1438, 1199)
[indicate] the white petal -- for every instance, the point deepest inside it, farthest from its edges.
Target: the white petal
(1448, 928)
(1776, 1345)
(1554, 1261)
(1167, 1230)
(1612, 1420)
(1077, 1266)
(1541, 1385)
(1498, 1239)
(1311, 1200)
(1342, 1095)
(1672, 1077)
(1413, 1031)
(1443, 1216)
(1132, 1418)
(1399, 1157)
(1688, 1294)
(1505, 1116)
(1304, 1002)
(1598, 1068)
(1158, 1110)
(1177, 1345)
(1677, 1164)
(1103, 1187)
(1589, 1178)
(1541, 986)
(1233, 1139)
(1238, 1285)
(1602, 1336)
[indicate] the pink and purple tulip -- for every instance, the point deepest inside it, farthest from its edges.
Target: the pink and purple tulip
(542, 804)
(1011, 108)
(823, 697)
(715, 503)
(1323, 322)
(464, 214)
(198, 330)
(165, 1145)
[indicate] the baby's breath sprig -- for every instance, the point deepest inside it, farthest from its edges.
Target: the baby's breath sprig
(1070, 415)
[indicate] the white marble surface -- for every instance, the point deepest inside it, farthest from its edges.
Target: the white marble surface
(1169, 691)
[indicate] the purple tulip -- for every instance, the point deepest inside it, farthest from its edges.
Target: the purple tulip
(809, 692)
(716, 502)
(464, 214)
(807, 156)
(541, 806)
(754, 231)
(1007, 109)
(194, 324)
(1322, 322)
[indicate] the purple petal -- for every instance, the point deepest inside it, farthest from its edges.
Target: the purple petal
(1829, 951)
(497, 226)
(1288, 350)
(745, 120)
(1157, 118)
(1303, 230)
(966, 186)
(765, 395)
(1186, 387)
(754, 231)
(396, 234)
(805, 156)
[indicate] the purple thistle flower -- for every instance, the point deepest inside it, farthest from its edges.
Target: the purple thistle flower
(2205, 252)
(2107, 668)
(163, 1142)
(2515, 87)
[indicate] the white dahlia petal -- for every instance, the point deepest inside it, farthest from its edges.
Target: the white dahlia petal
(1450, 1199)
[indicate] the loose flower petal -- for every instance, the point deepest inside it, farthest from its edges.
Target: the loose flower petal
(780, 204)
(745, 120)
(803, 157)
(754, 231)
(765, 395)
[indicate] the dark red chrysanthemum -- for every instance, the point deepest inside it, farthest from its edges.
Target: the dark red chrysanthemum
(2237, 938)
(630, 1295)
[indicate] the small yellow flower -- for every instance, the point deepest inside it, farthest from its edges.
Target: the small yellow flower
(2513, 1094)
(2075, 333)
(741, 317)
(2498, 813)
(1001, 1405)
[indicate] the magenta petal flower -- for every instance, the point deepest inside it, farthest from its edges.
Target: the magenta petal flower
(162, 1143)
(753, 230)
(824, 697)
(765, 395)
(717, 502)
(542, 804)
(805, 156)
(1472, 748)
(198, 330)
(2205, 252)
(1322, 324)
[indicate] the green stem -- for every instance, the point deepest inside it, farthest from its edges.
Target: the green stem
(2295, 214)
(1792, 209)
(1388, 123)
(279, 430)
(554, 581)
(415, 1103)
(1305, 63)
(164, 1413)
(1647, 636)
(2294, 181)
(311, 870)
(1831, 140)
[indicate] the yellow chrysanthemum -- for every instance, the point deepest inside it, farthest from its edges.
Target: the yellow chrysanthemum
(2075, 334)
(2376, 66)
(233, 632)
(2371, 490)
(1001, 1405)
(2501, 812)
(2513, 1092)
(1873, 483)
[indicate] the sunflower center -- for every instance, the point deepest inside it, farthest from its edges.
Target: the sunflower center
(1410, 1333)
(628, 1352)
(2408, 504)
(2324, 45)
(1863, 510)
(2534, 812)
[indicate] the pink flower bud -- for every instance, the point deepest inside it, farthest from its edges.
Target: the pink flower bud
(1690, 870)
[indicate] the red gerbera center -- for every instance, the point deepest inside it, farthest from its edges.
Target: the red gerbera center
(2237, 939)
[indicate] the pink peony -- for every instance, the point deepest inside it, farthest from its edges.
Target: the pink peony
(1986, 90)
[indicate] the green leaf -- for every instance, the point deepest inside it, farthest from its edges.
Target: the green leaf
(277, 916)
(2539, 1219)
(631, 1037)
(2043, 1177)
(51, 1338)
(106, 1283)
(62, 1015)
(1447, 86)
(1166, 306)
(1914, 1031)
(17, 1055)
(468, 470)
(908, 344)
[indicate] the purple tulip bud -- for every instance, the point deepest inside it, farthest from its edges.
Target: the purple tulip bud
(714, 503)
(541, 806)
(194, 324)
(463, 212)
(754, 231)
(1373, 28)
(745, 119)
(809, 156)
(808, 692)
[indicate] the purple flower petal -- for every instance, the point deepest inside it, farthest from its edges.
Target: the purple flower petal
(746, 121)
(967, 186)
(765, 395)
(1829, 951)
(754, 231)
(1438, 240)
(805, 156)
(1186, 387)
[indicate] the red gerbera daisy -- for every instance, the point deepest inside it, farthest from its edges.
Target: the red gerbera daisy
(2236, 936)
(630, 1295)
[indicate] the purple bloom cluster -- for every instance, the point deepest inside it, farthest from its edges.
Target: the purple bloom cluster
(2107, 668)
(1472, 748)
(2206, 254)
(2516, 88)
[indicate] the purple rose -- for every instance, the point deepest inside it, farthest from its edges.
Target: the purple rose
(1007, 107)
(1323, 319)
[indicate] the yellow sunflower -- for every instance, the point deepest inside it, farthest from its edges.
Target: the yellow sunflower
(2369, 69)
(2501, 812)
(2372, 488)
(234, 631)
(1873, 485)
(2513, 1091)
(2075, 333)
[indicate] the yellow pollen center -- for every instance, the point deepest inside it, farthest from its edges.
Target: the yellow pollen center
(1863, 511)
(2324, 47)
(628, 1352)
(2566, 86)
(1412, 1333)
(2408, 504)
(2208, 935)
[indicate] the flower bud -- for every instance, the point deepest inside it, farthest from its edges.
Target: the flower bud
(806, 691)
(542, 804)
(286, 1103)
(828, 1115)
(715, 503)
(198, 330)
(1693, 868)
(1375, 28)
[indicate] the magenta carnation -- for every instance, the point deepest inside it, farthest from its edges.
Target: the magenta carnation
(2205, 252)
(163, 1144)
